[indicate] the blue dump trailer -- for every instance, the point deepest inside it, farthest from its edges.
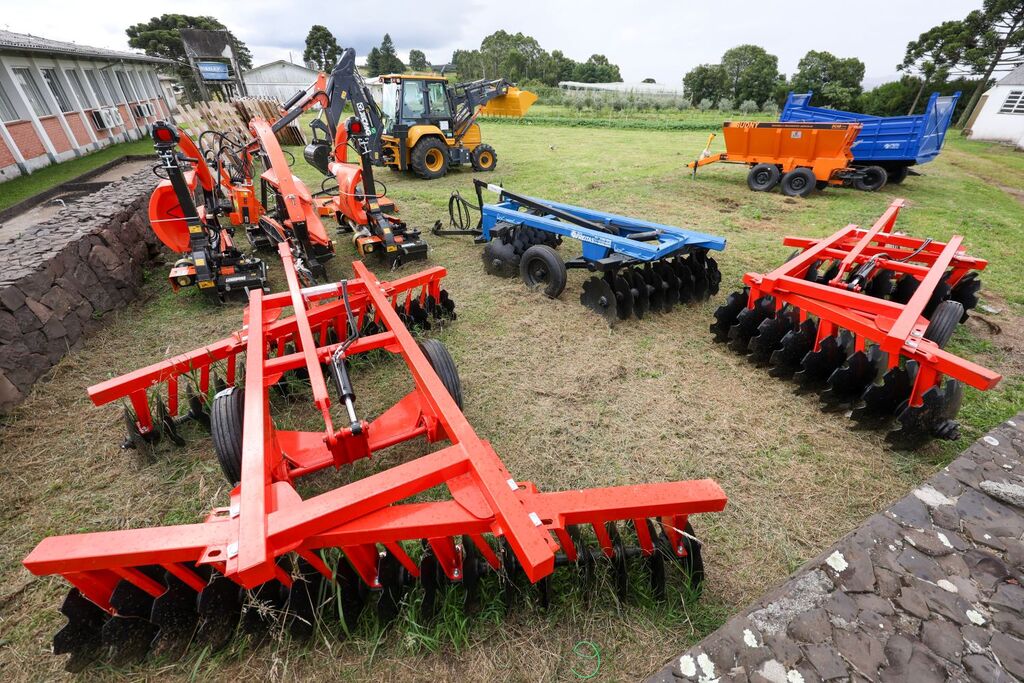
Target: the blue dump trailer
(895, 143)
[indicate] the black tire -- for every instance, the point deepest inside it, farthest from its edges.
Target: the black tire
(799, 182)
(444, 366)
(226, 429)
(763, 177)
(429, 158)
(944, 321)
(483, 158)
(542, 267)
(871, 179)
(898, 175)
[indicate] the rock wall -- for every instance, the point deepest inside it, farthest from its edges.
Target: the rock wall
(58, 278)
(929, 590)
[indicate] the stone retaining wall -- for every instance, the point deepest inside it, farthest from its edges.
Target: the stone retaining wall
(928, 590)
(59, 277)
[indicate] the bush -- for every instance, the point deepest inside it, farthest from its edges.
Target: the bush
(706, 104)
(725, 104)
(749, 107)
(682, 103)
(770, 108)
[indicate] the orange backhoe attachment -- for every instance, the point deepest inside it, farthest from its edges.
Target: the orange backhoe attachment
(515, 102)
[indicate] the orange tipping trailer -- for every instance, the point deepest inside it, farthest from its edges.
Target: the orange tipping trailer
(796, 156)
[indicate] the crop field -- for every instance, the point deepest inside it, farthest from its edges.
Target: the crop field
(565, 401)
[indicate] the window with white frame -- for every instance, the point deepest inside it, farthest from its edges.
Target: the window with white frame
(117, 96)
(1014, 103)
(7, 110)
(126, 87)
(53, 82)
(76, 84)
(94, 83)
(32, 92)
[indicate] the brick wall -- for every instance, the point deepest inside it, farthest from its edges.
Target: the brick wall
(56, 134)
(6, 158)
(26, 140)
(78, 128)
(58, 278)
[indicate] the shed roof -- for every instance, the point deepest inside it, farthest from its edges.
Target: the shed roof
(24, 42)
(282, 61)
(1015, 77)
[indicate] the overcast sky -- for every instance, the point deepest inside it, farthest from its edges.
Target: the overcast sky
(661, 40)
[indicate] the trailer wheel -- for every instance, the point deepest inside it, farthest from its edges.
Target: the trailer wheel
(541, 267)
(898, 175)
(798, 183)
(944, 321)
(763, 177)
(429, 158)
(444, 366)
(226, 429)
(483, 158)
(871, 179)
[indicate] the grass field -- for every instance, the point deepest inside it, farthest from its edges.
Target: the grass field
(565, 401)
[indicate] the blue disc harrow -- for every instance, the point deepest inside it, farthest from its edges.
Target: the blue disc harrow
(640, 267)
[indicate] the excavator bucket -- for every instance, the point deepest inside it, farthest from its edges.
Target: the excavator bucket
(515, 102)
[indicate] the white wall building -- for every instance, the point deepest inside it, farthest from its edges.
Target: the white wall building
(279, 80)
(652, 89)
(1000, 113)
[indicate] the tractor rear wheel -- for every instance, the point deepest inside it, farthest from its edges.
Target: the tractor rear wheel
(799, 182)
(542, 268)
(429, 158)
(763, 177)
(226, 430)
(444, 366)
(484, 158)
(871, 179)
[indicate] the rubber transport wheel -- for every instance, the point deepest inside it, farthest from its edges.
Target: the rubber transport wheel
(429, 158)
(483, 158)
(444, 366)
(898, 175)
(763, 177)
(226, 430)
(542, 267)
(872, 179)
(943, 322)
(799, 182)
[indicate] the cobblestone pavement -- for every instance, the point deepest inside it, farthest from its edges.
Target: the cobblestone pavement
(928, 590)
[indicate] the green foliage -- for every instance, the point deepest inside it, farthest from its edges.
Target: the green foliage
(769, 107)
(749, 107)
(384, 59)
(322, 48)
(161, 37)
(726, 104)
(751, 72)
(418, 61)
(520, 58)
(834, 80)
(706, 82)
(597, 69)
(706, 104)
(648, 80)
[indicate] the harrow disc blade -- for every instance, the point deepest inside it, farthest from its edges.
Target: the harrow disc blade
(473, 567)
(881, 285)
(135, 439)
(584, 561)
(419, 315)
(693, 561)
(639, 290)
(966, 292)
(220, 608)
(687, 286)
(127, 635)
(176, 617)
(848, 382)
(509, 573)
(905, 288)
(447, 305)
(197, 409)
(81, 637)
(714, 276)
(165, 422)
(934, 418)
(264, 607)
(350, 594)
(812, 274)
(655, 289)
(500, 259)
(817, 366)
(793, 346)
(303, 603)
(726, 314)
(623, 297)
(747, 323)
(619, 568)
(671, 284)
(830, 273)
(880, 402)
(433, 581)
(598, 296)
(941, 293)
(393, 580)
(769, 335)
(656, 561)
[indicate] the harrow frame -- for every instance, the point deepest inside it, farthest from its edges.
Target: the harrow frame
(267, 518)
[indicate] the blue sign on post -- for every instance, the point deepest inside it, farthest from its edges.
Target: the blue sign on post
(214, 71)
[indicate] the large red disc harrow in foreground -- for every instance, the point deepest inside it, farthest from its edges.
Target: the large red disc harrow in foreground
(267, 558)
(864, 316)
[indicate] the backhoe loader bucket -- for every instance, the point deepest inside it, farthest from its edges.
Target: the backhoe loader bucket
(515, 102)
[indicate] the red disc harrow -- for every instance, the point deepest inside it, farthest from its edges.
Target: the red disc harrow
(864, 316)
(268, 557)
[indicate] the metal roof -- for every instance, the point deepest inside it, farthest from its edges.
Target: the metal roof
(1015, 77)
(23, 42)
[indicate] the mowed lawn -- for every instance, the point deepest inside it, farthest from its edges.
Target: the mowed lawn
(565, 401)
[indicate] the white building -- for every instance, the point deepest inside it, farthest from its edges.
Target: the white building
(652, 89)
(1000, 112)
(279, 80)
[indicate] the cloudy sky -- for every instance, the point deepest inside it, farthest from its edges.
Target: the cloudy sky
(662, 40)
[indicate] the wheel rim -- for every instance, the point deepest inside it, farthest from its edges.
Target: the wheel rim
(434, 160)
(486, 159)
(761, 178)
(538, 272)
(798, 183)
